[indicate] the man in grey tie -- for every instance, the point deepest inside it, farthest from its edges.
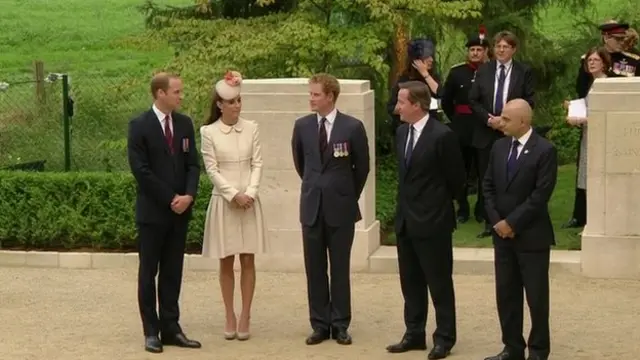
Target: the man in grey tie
(497, 82)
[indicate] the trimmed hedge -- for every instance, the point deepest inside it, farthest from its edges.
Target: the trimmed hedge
(43, 210)
(96, 211)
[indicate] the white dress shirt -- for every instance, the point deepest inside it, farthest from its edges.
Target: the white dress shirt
(522, 141)
(328, 125)
(418, 126)
(508, 66)
(161, 117)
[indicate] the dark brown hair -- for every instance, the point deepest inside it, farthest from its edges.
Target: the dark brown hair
(215, 112)
(418, 93)
(604, 56)
(509, 37)
(329, 84)
(160, 81)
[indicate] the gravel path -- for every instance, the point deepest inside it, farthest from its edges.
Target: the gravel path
(61, 314)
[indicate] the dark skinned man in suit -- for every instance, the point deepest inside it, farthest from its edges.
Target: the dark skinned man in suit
(497, 82)
(331, 155)
(431, 175)
(164, 162)
(518, 184)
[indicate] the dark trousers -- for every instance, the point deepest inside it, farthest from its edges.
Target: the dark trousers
(482, 161)
(580, 206)
(468, 154)
(329, 300)
(516, 271)
(161, 252)
(426, 267)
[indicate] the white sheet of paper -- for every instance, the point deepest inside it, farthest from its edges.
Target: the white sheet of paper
(434, 104)
(578, 108)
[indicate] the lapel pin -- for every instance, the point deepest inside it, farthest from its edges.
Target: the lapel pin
(526, 151)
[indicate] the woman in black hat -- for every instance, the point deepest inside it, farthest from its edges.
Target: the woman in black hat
(421, 67)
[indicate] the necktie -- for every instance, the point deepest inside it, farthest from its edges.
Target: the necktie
(499, 103)
(168, 135)
(409, 150)
(322, 136)
(513, 158)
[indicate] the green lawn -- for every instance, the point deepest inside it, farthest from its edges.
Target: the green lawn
(75, 35)
(560, 207)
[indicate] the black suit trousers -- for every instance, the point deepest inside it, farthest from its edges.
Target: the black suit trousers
(161, 252)
(329, 300)
(482, 163)
(468, 154)
(516, 271)
(426, 267)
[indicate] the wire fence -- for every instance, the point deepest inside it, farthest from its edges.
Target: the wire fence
(63, 123)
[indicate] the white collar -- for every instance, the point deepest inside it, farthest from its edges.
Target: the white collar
(507, 65)
(524, 138)
(331, 117)
(420, 124)
(159, 113)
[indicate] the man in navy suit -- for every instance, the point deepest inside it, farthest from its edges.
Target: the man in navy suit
(331, 155)
(164, 161)
(520, 178)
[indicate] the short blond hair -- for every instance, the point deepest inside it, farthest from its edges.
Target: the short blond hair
(329, 84)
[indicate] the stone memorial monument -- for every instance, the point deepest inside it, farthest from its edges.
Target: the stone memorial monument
(275, 104)
(611, 238)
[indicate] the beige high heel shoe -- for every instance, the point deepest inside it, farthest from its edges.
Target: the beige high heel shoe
(242, 336)
(230, 335)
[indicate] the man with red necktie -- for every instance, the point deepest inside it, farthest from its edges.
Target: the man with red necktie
(164, 162)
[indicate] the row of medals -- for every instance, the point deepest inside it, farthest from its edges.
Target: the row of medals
(340, 150)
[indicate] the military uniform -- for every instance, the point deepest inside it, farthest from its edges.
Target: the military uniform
(623, 63)
(455, 105)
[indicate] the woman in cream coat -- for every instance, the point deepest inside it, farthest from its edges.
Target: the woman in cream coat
(234, 224)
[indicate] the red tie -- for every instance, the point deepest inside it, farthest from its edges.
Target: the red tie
(168, 136)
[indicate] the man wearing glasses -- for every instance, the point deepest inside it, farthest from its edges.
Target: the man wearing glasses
(497, 81)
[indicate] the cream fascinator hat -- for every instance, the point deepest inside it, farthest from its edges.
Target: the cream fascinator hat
(229, 87)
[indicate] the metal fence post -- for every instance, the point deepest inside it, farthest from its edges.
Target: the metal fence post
(66, 117)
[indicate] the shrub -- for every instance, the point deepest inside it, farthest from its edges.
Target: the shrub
(95, 210)
(77, 210)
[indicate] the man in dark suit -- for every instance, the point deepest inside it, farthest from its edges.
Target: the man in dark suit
(431, 175)
(455, 104)
(518, 184)
(164, 161)
(497, 82)
(331, 155)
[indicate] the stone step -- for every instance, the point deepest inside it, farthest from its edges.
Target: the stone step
(469, 261)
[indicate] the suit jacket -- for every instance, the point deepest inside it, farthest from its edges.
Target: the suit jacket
(481, 98)
(160, 175)
(332, 187)
(430, 182)
(522, 200)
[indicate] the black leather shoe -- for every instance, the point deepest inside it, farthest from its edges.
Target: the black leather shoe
(341, 336)
(484, 234)
(180, 340)
(318, 336)
(438, 352)
(462, 219)
(506, 355)
(408, 343)
(152, 344)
